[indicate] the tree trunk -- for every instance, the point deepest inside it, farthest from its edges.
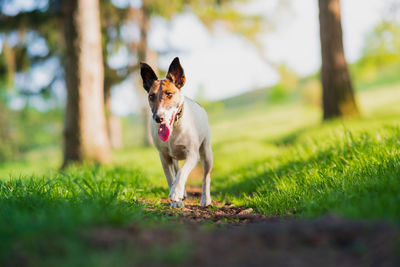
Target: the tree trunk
(145, 54)
(113, 122)
(338, 97)
(10, 63)
(151, 58)
(85, 125)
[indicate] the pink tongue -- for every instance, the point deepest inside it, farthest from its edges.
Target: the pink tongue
(164, 132)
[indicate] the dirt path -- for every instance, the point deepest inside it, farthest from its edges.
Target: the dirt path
(219, 212)
(240, 237)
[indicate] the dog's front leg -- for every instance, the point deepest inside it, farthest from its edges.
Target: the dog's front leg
(169, 169)
(178, 187)
(176, 165)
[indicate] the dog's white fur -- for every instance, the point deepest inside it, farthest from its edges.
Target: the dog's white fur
(189, 141)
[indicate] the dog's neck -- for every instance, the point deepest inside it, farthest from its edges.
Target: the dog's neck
(179, 113)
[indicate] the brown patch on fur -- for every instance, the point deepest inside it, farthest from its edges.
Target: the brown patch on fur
(163, 94)
(176, 73)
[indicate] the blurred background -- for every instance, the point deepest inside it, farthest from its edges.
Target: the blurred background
(238, 56)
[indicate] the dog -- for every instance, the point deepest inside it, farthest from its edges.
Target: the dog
(180, 131)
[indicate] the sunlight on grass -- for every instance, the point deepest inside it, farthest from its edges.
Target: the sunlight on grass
(65, 205)
(344, 176)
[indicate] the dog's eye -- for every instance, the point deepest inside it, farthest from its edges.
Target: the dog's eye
(151, 97)
(169, 95)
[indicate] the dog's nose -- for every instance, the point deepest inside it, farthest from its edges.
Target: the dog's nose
(157, 118)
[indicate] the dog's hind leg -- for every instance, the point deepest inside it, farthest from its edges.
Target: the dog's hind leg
(176, 165)
(206, 158)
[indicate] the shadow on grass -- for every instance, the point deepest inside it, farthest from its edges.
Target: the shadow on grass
(349, 176)
(250, 178)
(290, 138)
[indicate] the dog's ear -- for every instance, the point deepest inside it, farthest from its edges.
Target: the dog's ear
(148, 76)
(176, 74)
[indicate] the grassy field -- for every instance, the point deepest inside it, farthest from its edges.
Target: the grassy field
(279, 160)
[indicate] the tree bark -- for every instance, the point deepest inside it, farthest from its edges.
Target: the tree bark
(113, 122)
(145, 54)
(85, 125)
(338, 96)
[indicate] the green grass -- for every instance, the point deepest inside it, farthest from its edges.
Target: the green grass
(44, 217)
(355, 176)
(279, 160)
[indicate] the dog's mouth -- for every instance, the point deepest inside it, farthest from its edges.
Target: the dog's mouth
(165, 129)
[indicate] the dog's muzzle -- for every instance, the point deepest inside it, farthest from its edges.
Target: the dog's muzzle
(157, 118)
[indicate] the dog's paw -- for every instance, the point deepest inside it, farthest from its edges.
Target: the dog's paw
(177, 204)
(176, 193)
(205, 201)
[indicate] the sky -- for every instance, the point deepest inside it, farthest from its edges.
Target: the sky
(223, 64)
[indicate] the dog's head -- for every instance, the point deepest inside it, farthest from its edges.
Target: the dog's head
(164, 96)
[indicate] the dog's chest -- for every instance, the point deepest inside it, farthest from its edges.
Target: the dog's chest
(179, 152)
(177, 147)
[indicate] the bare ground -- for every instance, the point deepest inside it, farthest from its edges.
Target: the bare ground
(240, 237)
(219, 212)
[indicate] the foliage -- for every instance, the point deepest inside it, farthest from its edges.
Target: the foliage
(28, 129)
(287, 85)
(382, 44)
(379, 64)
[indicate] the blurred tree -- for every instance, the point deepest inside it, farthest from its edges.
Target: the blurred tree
(112, 20)
(381, 50)
(47, 22)
(338, 96)
(7, 67)
(382, 45)
(145, 54)
(85, 126)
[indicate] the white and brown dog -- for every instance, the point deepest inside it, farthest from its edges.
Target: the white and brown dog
(180, 131)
